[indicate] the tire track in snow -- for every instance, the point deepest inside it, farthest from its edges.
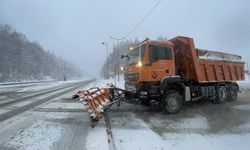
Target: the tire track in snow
(24, 108)
(109, 132)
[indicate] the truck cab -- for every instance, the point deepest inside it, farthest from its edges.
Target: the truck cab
(147, 64)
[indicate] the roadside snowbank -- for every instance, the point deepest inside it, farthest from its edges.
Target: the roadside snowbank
(35, 86)
(244, 85)
(102, 82)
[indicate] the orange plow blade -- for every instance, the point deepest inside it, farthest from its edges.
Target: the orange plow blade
(95, 101)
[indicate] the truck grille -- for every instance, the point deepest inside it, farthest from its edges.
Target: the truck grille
(132, 76)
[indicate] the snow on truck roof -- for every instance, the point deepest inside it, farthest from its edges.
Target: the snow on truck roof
(165, 42)
(215, 55)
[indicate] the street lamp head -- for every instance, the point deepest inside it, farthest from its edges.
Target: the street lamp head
(117, 39)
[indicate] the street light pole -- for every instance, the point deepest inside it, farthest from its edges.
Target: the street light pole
(104, 43)
(118, 53)
(118, 61)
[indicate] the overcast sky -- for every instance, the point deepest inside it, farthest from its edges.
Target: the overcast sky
(75, 29)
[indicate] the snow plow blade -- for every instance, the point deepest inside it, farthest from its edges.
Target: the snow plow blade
(96, 101)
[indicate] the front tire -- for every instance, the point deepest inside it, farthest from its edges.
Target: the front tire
(172, 102)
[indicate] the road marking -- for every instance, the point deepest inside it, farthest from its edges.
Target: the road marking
(109, 132)
(19, 110)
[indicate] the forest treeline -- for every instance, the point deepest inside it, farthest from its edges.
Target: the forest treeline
(21, 59)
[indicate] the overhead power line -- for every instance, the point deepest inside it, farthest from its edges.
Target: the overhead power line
(141, 21)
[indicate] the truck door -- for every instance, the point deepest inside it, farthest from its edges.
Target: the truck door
(161, 62)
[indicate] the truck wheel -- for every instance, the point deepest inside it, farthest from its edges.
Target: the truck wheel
(232, 92)
(221, 96)
(172, 102)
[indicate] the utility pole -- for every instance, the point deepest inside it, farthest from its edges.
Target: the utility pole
(118, 53)
(118, 61)
(107, 74)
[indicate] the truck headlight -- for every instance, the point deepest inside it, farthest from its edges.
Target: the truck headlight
(139, 64)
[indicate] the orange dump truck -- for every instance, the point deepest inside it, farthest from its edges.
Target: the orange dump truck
(174, 71)
(170, 73)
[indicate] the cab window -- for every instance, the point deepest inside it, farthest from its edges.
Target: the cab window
(136, 55)
(157, 52)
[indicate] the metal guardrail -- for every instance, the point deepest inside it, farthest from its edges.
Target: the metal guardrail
(20, 83)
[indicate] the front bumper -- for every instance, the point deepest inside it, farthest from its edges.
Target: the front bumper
(133, 87)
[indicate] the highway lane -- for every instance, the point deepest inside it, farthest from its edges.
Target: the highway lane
(63, 123)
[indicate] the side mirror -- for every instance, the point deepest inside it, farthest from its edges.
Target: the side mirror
(123, 56)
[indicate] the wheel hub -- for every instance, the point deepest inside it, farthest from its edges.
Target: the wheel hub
(172, 103)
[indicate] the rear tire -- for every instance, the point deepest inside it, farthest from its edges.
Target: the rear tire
(221, 96)
(172, 102)
(232, 92)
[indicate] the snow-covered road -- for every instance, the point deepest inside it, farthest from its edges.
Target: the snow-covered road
(62, 123)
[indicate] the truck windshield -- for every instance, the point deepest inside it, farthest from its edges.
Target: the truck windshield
(135, 55)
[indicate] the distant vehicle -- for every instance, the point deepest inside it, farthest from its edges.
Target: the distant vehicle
(64, 78)
(171, 73)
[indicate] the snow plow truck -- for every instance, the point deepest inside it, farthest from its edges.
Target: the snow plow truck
(170, 73)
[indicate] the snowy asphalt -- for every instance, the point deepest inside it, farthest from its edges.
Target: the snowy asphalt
(62, 124)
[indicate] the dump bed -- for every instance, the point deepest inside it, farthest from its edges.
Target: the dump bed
(205, 66)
